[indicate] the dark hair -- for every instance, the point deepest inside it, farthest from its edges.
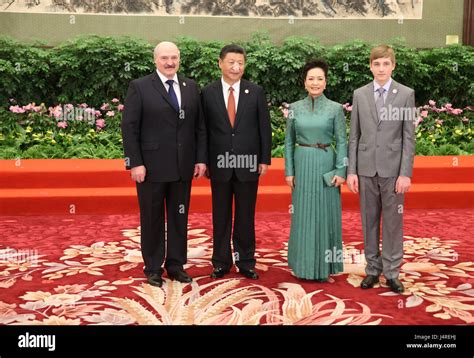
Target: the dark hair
(318, 63)
(232, 48)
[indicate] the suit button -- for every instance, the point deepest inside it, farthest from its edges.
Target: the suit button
(233, 135)
(378, 146)
(179, 144)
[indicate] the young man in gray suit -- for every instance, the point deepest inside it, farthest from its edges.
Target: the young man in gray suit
(381, 152)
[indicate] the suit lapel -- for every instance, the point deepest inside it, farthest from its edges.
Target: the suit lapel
(184, 89)
(392, 93)
(371, 100)
(158, 85)
(220, 102)
(242, 105)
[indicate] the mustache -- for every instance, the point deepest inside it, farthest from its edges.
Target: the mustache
(170, 66)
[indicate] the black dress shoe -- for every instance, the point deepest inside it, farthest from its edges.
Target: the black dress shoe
(249, 274)
(369, 281)
(155, 279)
(180, 276)
(219, 272)
(395, 285)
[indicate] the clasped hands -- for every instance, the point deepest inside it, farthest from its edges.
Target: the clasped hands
(336, 180)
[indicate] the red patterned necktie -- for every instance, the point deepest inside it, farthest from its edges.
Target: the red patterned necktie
(231, 106)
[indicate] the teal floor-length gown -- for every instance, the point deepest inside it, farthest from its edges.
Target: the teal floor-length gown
(315, 244)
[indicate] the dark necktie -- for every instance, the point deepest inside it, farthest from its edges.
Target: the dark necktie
(172, 94)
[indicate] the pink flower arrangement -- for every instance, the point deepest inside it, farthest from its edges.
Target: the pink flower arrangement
(447, 108)
(16, 109)
(120, 107)
(100, 123)
(62, 124)
(30, 107)
(56, 112)
(110, 114)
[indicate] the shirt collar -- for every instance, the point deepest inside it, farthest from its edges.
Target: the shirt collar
(163, 78)
(385, 86)
(226, 86)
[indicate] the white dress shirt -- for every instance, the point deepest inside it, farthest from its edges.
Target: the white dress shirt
(385, 86)
(225, 92)
(175, 85)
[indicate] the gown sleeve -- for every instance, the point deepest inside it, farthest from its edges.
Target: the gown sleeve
(341, 143)
(290, 141)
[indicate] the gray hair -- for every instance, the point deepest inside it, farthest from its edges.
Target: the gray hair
(167, 44)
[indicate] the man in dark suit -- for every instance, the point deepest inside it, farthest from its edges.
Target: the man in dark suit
(239, 146)
(164, 138)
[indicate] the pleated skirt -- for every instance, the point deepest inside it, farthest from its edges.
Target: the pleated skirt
(315, 244)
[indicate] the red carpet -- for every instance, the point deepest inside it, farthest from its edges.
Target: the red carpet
(87, 270)
(41, 187)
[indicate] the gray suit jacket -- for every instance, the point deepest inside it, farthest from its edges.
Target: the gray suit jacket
(386, 145)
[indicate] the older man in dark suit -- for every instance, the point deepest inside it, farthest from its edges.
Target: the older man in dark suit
(164, 138)
(240, 141)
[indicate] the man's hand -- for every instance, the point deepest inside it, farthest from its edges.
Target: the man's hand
(139, 173)
(353, 183)
(290, 180)
(199, 170)
(262, 169)
(337, 180)
(402, 185)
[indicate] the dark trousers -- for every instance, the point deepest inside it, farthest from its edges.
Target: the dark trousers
(243, 237)
(152, 197)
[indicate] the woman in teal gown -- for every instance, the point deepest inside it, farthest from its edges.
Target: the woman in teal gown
(315, 168)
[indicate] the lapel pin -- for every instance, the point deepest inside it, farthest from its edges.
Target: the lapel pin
(247, 91)
(184, 84)
(395, 91)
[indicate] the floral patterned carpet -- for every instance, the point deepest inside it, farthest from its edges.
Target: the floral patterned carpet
(87, 270)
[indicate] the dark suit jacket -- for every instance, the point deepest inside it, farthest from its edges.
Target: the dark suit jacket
(251, 134)
(155, 135)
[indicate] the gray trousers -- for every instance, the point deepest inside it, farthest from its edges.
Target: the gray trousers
(378, 200)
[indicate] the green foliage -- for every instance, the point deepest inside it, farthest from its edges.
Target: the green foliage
(24, 72)
(87, 69)
(61, 132)
(199, 62)
(449, 75)
(93, 69)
